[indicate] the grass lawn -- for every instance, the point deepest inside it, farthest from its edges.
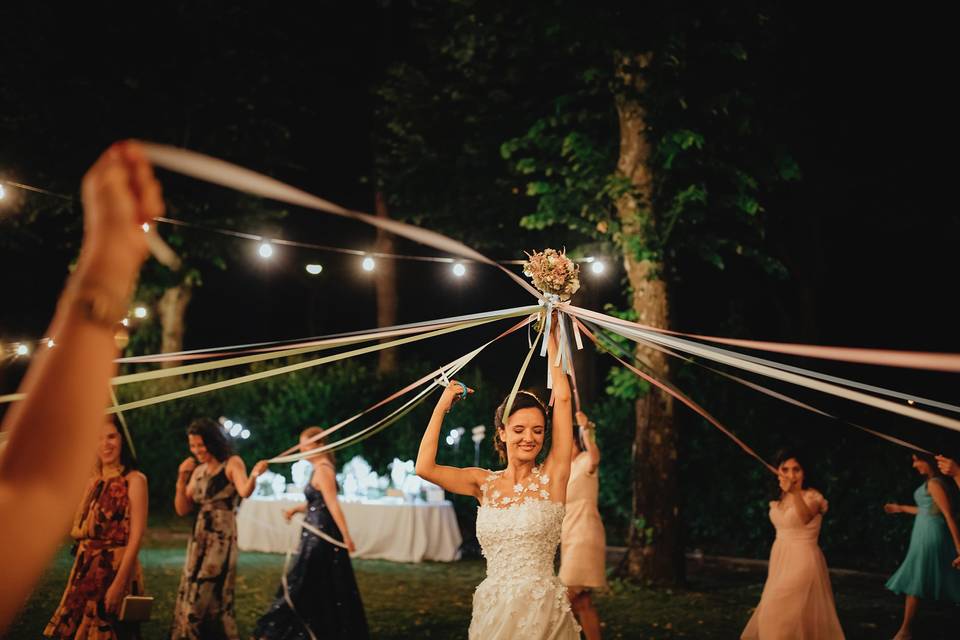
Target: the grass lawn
(432, 600)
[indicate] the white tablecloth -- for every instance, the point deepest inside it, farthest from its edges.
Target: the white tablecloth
(380, 529)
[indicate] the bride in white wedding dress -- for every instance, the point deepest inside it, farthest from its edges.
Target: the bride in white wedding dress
(520, 514)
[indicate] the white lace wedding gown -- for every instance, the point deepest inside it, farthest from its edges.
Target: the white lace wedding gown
(521, 597)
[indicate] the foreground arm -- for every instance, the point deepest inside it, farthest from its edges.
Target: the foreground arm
(53, 432)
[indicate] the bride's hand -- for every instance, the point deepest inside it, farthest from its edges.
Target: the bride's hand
(454, 392)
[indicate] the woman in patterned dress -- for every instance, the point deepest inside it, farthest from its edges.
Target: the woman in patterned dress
(205, 607)
(108, 529)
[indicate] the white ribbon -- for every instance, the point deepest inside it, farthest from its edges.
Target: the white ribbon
(746, 363)
(216, 171)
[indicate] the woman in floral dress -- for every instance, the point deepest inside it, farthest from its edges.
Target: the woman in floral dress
(108, 529)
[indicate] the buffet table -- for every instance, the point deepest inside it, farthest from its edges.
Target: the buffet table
(385, 528)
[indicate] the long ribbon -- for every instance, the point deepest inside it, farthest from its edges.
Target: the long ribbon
(449, 370)
(123, 422)
(216, 171)
(366, 432)
(480, 318)
(775, 394)
(884, 357)
(812, 409)
(679, 395)
(279, 345)
(785, 367)
(521, 373)
(223, 384)
(736, 360)
(441, 371)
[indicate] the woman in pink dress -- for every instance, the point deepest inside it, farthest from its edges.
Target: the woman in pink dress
(583, 544)
(797, 601)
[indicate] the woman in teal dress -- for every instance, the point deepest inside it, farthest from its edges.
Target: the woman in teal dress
(927, 571)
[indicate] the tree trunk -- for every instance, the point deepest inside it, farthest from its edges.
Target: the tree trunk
(386, 283)
(654, 549)
(172, 308)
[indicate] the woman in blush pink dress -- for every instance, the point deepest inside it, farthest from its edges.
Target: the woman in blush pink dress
(797, 601)
(583, 545)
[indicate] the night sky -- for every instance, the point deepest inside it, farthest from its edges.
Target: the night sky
(869, 130)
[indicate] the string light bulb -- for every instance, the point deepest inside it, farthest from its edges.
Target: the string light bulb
(50, 343)
(22, 349)
(3, 192)
(245, 434)
(140, 312)
(597, 267)
(368, 264)
(314, 269)
(265, 250)
(459, 270)
(146, 227)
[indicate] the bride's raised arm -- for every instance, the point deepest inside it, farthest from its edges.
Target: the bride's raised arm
(465, 481)
(557, 463)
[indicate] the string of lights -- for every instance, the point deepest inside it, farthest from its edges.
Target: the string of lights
(265, 250)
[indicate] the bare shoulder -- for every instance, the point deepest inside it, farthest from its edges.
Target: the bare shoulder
(136, 478)
(936, 485)
(324, 476)
(326, 467)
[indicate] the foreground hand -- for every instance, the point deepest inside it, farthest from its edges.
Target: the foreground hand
(120, 193)
(111, 601)
(891, 508)
(259, 469)
(352, 548)
(288, 514)
(582, 420)
(786, 484)
(956, 562)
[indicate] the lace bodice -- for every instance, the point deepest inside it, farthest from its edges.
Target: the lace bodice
(536, 487)
(519, 529)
